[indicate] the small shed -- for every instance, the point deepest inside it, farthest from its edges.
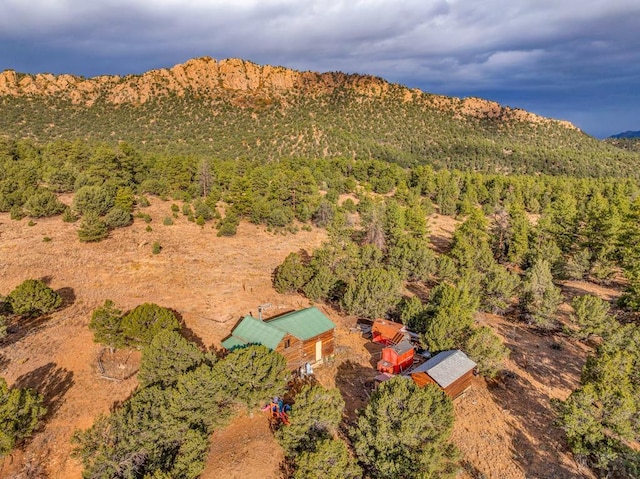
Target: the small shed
(396, 358)
(388, 332)
(302, 337)
(451, 370)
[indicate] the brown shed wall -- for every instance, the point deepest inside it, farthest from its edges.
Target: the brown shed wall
(457, 387)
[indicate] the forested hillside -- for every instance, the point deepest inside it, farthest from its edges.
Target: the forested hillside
(234, 109)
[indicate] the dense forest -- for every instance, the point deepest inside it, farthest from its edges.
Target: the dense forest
(325, 116)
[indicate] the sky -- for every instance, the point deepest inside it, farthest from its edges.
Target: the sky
(576, 60)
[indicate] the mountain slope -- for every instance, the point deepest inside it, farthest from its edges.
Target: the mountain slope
(627, 134)
(234, 108)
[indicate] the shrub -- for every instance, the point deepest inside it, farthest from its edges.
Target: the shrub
(229, 225)
(142, 323)
(16, 213)
(20, 411)
(68, 216)
(43, 204)
(291, 275)
(156, 248)
(117, 218)
(92, 199)
(33, 297)
(167, 221)
(92, 229)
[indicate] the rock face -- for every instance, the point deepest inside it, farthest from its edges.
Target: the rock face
(207, 77)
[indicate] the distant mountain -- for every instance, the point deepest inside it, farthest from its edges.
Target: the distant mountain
(236, 109)
(627, 134)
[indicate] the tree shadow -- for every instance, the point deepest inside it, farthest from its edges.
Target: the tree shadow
(375, 352)
(68, 296)
(556, 361)
(50, 381)
(537, 444)
(19, 327)
(355, 383)
(4, 362)
(47, 279)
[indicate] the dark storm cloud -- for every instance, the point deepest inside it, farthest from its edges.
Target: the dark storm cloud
(572, 59)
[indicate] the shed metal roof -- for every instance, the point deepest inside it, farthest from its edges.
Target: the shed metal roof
(446, 367)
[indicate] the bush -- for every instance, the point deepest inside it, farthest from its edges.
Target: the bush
(92, 229)
(20, 412)
(291, 275)
(373, 293)
(43, 204)
(404, 431)
(33, 297)
(68, 216)
(106, 324)
(167, 221)
(117, 218)
(229, 225)
(141, 324)
(156, 248)
(16, 213)
(92, 199)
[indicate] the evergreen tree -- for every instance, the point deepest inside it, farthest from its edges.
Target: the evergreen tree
(33, 297)
(142, 323)
(20, 411)
(166, 358)
(92, 229)
(591, 314)
(291, 275)
(486, 349)
(330, 459)
(315, 415)
(255, 374)
(404, 432)
(449, 318)
(372, 293)
(106, 324)
(540, 298)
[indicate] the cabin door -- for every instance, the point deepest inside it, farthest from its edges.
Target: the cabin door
(318, 350)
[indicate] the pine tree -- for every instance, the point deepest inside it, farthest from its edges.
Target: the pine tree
(404, 431)
(540, 298)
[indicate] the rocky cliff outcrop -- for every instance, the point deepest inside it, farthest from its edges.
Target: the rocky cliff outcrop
(207, 77)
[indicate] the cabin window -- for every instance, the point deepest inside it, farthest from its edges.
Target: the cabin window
(287, 343)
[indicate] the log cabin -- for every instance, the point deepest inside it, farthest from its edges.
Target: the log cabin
(451, 370)
(302, 337)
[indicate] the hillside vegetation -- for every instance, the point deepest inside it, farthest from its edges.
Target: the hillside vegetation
(235, 109)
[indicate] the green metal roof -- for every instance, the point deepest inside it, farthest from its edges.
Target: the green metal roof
(252, 330)
(303, 324)
(232, 342)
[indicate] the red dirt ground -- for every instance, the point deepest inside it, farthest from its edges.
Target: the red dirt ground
(503, 430)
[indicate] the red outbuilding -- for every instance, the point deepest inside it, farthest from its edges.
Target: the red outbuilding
(396, 358)
(388, 332)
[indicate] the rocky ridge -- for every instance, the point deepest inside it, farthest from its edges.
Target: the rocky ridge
(213, 78)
